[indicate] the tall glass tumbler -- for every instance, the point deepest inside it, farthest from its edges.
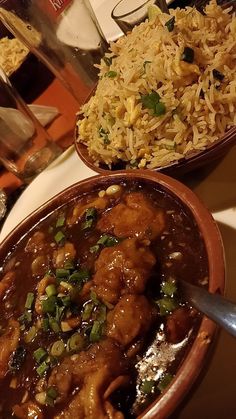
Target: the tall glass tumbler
(25, 146)
(64, 34)
(128, 13)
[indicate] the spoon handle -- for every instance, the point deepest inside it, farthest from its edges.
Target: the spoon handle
(214, 306)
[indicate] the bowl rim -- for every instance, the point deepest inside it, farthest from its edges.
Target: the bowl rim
(190, 368)
(190, 162)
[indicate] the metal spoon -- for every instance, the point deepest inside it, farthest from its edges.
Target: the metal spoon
(214, 306)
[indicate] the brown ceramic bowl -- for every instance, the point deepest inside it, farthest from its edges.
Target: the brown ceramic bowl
(189, 369)
(193, 160)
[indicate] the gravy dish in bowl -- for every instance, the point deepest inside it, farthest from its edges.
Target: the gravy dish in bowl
(165, 99)
(91, 320)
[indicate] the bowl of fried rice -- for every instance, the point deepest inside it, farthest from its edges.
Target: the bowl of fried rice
(166, 95)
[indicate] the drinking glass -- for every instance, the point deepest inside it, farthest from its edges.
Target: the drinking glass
(128, 13)
(64, 34)
(25, 147)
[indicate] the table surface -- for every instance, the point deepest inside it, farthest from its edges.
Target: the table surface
(212, 396)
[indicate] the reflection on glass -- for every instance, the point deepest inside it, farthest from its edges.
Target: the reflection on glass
(25, 147)
(63, 34)
(128, 13)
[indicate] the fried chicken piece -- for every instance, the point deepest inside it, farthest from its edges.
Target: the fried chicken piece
(7, 284)
(62, 254)
(41, 289)
(135, 217)
(99, 203)
(132, 317)
(122, 269)
(35, 242)
(8, 344)
(93, 371)
(28, 410)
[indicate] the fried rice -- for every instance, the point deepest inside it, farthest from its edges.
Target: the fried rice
(165, 90)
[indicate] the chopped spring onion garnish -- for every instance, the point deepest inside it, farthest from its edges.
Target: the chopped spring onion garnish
(102, 311)
(25, 318)
(94, 249)
(60, 221)
(107, 240)
(188, 55)
(59, 313)
(87, 224)
(168, 288)
(66, 301)
(75, 277)
(104, 135)
(39, 355)
(111, 74)
(58, 348)
(49, 305)
(69, 265)
(152, 101)
(166, 305)
(147, 386)
(54, 325)
(90, 216)
(59, 237)
(160, 109)
(76, 343)
(29, 300)
(51, 395)
(165, 381)
(94, 297)
(170, 24)
(88, 308)
(62, 273)
(45, 324)
(91, 213)
(42, 368)
(96, 331)
(51, 290)
(30, 335)
(83, 274)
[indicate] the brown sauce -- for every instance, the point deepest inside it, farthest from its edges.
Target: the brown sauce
(90, 317)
